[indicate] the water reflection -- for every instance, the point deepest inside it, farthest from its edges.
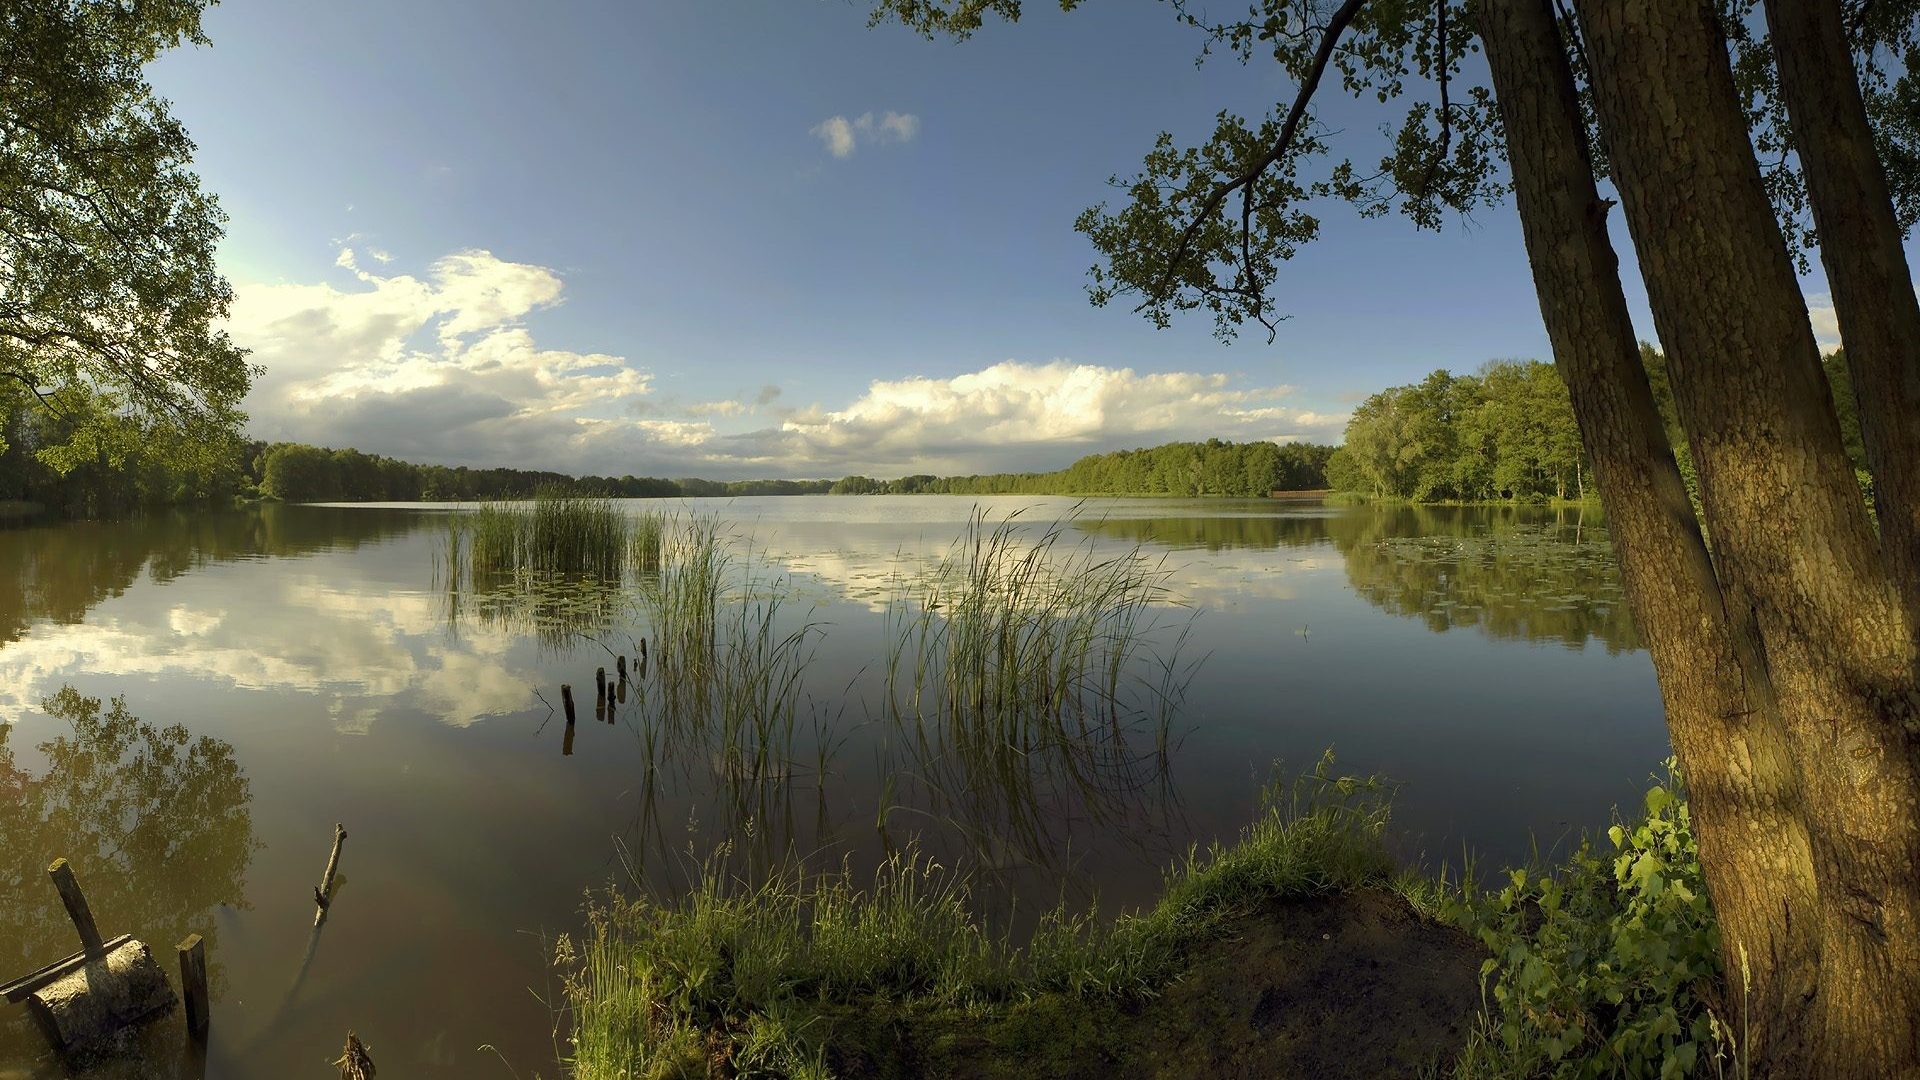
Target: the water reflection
(157, 823)
(1511, 573)
(57, 572)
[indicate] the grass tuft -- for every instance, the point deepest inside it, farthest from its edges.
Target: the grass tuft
(753, 976)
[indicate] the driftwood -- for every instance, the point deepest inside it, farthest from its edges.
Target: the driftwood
(16, 991)
(101, 997)
(323, 893)
(354, 1061)
(97, 991)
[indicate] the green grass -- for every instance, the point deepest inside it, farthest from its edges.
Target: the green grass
(752, 973)
(1606, 965)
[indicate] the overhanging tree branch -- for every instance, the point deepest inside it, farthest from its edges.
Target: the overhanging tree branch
(1289, 132)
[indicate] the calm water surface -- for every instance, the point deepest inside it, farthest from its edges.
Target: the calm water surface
(292, 667)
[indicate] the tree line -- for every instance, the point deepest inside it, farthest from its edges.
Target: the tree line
(1509, 433)
(1249, 470)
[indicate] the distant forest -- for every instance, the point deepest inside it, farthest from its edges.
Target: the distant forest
(136, 474)
(1182, 469)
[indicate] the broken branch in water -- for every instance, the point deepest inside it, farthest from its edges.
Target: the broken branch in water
(323, 894)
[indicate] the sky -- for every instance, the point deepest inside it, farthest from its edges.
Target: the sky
(756, 238)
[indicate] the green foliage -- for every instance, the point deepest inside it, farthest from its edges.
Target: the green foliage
(73, 452)
(1609, 966)
(295, 472)
(109, 294)
(752, 976)
(1182, 469)
(1885, 39)
(1508, 432)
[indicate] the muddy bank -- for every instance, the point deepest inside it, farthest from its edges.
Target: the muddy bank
(1355, 985)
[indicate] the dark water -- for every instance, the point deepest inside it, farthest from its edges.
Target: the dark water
(292, 667)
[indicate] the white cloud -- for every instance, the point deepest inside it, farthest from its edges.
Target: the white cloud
(442, 368)
(837, 133)
(1826, 321)
(1014, 415)
(841, 135)
(438, 367)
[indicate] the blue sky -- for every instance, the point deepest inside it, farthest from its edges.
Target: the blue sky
(618, 238)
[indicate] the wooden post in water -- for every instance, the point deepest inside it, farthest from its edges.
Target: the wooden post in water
(193, 984)
(566, 699)
(620, 665)
(77, 910)
(323, 895)
(600, 683)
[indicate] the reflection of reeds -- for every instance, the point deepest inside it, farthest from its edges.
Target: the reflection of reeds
(725, 693)
(551, 567)
(1029, 681)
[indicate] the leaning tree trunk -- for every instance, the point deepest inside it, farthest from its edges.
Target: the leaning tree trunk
(1860, 246)
(1743, 786)
(1791, 538)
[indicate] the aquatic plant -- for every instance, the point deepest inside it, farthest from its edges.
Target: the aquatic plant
(557, 532)
(724, 693)
(1027, 675)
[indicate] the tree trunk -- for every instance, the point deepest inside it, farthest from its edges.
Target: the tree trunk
(1744, 790)
(1792, 541)
(1860, 246)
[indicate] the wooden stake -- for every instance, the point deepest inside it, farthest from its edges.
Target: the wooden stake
(77, 909)
(620, 665)
(600, 683)
(566, 699)
(193, 984)
(323, 895)
(566, 743)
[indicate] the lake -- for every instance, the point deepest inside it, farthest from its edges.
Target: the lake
(290, 667)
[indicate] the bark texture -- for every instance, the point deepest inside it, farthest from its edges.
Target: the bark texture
(1792, 541)
(1861, 249)
(1743, 786)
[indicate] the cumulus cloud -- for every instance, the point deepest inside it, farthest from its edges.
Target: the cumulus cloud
(1018, 415)
(841, 135)
(441, 367)
(438, 367)
(1826, 322)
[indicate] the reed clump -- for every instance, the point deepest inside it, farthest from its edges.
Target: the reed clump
(1026, 633)
(556, 533)
(1044, 671)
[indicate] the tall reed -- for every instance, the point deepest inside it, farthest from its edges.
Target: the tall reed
(1034, 680)
(556, 533)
